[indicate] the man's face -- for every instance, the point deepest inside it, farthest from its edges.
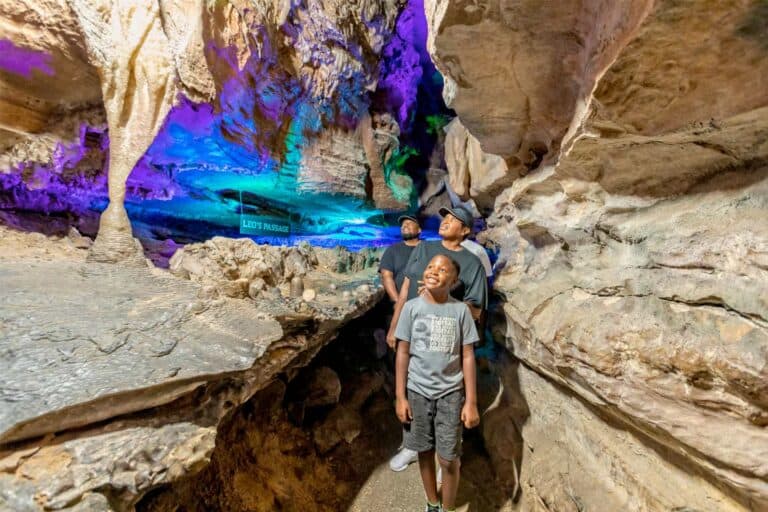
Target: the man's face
(409, 230)
(452, 228)
(440, 274)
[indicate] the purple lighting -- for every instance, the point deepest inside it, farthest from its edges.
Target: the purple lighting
(23, 61)
(404, 63)
(251, 141)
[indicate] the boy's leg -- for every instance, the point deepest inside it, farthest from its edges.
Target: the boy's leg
(448, 430)
(419, 435)
(427, 470)
(451, 470)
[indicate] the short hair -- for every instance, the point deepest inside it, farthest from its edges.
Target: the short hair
(455, 265)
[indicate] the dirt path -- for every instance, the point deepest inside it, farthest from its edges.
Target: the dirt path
(388, 491)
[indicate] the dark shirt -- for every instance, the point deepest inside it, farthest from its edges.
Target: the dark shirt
(473, 286)
(394, 260)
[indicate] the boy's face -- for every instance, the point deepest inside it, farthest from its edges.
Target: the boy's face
(452, 228)
(440, 274)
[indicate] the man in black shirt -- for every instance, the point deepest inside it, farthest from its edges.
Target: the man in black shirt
(394, 259)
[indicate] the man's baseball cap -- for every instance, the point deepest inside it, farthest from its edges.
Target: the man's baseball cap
(401, 218)
(460, 213)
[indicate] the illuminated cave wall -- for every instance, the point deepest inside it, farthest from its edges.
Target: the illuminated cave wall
(247, 144)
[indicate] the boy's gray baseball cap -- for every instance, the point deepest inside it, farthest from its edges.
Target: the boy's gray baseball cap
(460, 213)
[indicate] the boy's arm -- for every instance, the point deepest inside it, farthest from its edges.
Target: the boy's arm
(469, 414)
(402, 359)
(474, 310)
(401, 300)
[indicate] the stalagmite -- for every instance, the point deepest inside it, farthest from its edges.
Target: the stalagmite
(136, 48)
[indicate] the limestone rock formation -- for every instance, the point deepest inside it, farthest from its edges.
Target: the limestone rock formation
(39, 41)
(133, 46)
(334, 163)
(380, 140)
(125, 64)
(633, 248)
(471, 171)
(232, 266)
(539, 434)
(105, 399)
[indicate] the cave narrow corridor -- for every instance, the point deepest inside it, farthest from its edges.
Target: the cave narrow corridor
(209, 209)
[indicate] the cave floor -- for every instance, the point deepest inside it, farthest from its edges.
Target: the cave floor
(402, 492)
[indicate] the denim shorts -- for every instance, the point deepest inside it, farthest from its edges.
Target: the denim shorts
(436, 424)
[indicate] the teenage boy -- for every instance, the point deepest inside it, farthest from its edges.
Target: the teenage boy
(435, 378)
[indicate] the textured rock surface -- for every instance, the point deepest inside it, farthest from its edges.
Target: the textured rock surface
(288, 82)
(634, 245)
(137, 48)
(471, 171)
(133, 400)
(229, 266)
(572, 458)
(334, 163)
(266, 459)
(680, 291)
(546, 58)
(38, 41)
(102, 469)
(380, 140)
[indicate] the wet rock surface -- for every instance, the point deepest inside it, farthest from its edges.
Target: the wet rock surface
(134, 399)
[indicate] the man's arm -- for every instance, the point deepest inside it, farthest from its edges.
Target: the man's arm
(469, 414)
(401, 300)
(388, 280)
(474, 310)
(402, 359)
(476, 294)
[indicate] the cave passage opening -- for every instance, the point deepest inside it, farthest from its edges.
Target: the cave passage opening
(269, 145)
(319, 437)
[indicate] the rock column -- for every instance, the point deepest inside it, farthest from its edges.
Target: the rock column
(127, 45)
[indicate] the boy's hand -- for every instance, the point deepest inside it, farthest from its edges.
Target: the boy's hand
(422, 290)
(403, 409)
(391, 340)
(469, 415)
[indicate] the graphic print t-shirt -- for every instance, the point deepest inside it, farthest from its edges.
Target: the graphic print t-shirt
(436, 333)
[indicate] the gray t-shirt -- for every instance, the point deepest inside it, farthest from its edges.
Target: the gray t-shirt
(436, 333)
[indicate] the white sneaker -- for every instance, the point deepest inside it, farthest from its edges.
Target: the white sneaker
(402, 458)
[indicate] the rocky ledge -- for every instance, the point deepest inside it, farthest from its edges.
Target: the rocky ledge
(97, 413)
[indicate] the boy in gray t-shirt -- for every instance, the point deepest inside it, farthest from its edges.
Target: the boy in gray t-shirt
(435, 378)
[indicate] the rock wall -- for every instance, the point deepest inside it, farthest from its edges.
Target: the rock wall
(632, 237)
(105, 399)
(570, 457)
(247, 88)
